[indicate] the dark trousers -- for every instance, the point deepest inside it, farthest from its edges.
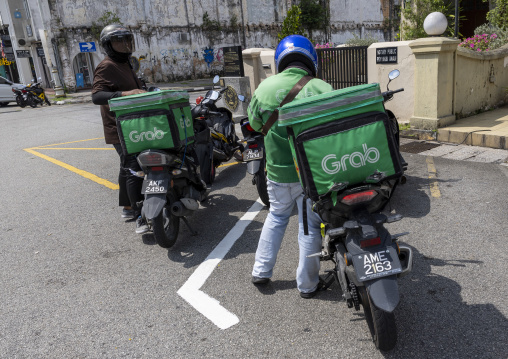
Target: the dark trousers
(130, 185)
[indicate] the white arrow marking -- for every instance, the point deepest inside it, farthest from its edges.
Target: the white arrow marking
(201, 301)
(88, 45)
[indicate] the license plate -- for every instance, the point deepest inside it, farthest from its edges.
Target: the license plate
(252, 154)
(377, 264)
(155, 186)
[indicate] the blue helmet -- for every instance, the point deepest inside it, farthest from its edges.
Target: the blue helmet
(296, 48)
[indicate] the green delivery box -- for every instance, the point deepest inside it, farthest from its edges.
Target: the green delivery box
(343, 136)
(157, 120)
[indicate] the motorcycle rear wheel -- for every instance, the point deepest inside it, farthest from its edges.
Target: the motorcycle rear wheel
(165, 228)
(20, 101)
(381, 324)
(261, 186)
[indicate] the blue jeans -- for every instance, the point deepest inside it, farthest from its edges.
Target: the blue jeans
(283, 197)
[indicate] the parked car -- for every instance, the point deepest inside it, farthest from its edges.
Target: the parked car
(6, 94)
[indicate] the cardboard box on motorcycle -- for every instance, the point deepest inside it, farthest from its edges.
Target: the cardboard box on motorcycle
(156, 120)
(343, 136)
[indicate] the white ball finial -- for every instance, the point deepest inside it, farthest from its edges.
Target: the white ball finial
(435, 24)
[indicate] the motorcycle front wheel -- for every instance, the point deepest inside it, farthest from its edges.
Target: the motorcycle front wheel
(47, 101)
(381, 324)
(165, 228)
(261, 186)
(32, 102)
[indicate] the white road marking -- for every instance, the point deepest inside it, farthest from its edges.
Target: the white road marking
(201, 301)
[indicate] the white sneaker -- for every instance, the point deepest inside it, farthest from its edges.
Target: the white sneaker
(141, 226)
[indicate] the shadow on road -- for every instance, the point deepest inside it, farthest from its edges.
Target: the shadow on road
(433, 320)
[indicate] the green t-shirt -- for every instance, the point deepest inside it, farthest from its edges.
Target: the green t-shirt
(267, 97)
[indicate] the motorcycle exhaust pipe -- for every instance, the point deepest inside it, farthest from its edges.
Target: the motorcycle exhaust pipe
(179, 210)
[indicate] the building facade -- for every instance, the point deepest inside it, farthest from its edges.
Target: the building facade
(175, 39)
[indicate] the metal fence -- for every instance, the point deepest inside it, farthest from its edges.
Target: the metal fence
(343, 66)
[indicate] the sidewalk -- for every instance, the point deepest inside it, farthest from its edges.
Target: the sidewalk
(86, 95)
(488, 129)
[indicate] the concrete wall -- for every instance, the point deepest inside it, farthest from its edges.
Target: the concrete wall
(402, 104)
(481, 80)
(173, 42)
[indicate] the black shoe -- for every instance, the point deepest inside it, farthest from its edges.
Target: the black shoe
(309, 295)
(259, 280)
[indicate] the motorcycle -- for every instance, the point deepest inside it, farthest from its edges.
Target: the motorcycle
(36, 95)
(222, 128)
(367, 258)
(254, 155)
(172, 187)
(21, 96)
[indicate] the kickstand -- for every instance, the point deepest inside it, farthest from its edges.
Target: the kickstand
(194, 233)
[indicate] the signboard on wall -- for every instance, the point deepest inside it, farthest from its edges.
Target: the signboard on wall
(22, 54)
(87, 46)
(233, 61)
(40, 51)
(386, 55)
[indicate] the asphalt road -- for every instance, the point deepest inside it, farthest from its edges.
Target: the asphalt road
(77, 282)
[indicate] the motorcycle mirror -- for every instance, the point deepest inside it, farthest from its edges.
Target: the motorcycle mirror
(216, 79)
(392, 76)
(241, 98)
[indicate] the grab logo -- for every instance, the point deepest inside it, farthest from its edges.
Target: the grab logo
(185, 122)
(331, 165)
(148, 135)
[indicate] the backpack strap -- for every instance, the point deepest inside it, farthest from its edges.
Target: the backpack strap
(289, 97)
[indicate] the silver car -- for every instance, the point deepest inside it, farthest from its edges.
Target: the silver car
(6, 94)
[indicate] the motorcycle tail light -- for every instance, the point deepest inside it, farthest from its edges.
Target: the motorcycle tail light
(248, 127)
(370, 242)
(24, 91)
(254, 145)
(150, 158)
(360, 197)
(199, 99)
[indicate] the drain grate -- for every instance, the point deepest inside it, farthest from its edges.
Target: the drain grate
(417, 147)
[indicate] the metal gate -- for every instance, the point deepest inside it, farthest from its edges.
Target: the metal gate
(343, 66)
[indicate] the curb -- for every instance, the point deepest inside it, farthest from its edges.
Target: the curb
(88, 98)
(416, 134)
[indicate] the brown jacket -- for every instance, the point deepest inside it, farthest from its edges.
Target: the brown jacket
(111, 76)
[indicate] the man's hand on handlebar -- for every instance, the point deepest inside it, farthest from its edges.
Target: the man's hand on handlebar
(132, 92)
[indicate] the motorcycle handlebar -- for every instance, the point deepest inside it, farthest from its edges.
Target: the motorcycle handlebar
(389, 94)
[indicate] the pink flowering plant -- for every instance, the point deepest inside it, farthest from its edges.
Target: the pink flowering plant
(328, 45)
(479, 43)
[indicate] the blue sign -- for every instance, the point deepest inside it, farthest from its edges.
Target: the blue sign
(17, 15)
(87, 46)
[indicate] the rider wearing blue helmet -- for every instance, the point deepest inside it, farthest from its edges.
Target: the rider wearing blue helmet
(296, 63)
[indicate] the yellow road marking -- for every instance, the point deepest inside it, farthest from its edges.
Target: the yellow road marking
(434, 188)
(71, 148)
(66, 143)
(82, 173)
(229, 164)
